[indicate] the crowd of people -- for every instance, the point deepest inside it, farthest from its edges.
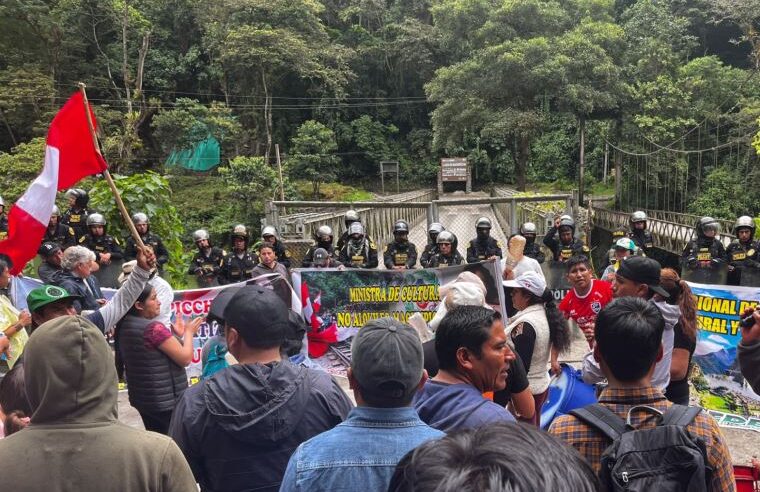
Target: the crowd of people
(454, 407)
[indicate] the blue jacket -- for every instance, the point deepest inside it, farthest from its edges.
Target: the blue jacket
(361, 453)
(75, 285)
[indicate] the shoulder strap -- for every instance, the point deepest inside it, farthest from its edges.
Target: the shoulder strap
(603, 419)
(680, 415)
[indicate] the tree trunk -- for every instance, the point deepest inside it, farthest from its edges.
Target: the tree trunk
(267, 116)
(582, 163)
(521, 162)
(125, 55)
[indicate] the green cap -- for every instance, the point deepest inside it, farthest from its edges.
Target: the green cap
(42, 296)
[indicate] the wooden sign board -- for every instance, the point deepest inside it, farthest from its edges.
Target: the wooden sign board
(454, 169)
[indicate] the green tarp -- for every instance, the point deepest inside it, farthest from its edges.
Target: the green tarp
(203, 157)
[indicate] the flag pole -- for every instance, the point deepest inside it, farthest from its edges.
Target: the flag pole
(107, 175)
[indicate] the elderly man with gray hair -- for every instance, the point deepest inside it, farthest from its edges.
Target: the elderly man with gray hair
(76, 278)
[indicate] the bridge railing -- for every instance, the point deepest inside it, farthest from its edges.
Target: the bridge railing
(511, 214)
(726, 226)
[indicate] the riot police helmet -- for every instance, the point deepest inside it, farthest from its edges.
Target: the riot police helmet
(56, 212)
(566, 221)
(355, 229)
(445, 237)
(200, 235)
(400, 227)
(638, 216)
(483, 223)
(351, 217)
(528, 228)
(745, 222)
(96, 220)
(435, 229)
(707, 224)
(239, 231)
(140, 218)
(269, 231)
(324, 234)
(80, 196)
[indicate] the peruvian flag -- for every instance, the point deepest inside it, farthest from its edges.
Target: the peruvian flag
(70, 155)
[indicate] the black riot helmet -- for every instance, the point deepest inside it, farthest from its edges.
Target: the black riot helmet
(400, 227)
(483, 228)
(80, 196)
(706, 224)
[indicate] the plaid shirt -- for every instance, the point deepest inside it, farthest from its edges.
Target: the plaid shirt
(591, 443)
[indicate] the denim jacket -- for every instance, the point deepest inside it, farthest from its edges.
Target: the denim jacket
(361, 453)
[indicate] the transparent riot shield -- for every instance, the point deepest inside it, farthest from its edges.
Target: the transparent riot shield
(712, 274)
(750, 277)
(556, 278)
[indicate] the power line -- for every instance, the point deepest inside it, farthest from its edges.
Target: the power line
(677, 151)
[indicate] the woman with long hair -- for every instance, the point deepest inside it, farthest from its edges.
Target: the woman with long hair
(684, 334)
(155, 359)
(538, 332)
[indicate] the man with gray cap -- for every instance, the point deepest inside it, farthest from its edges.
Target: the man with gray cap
(386, 371)
(238, 428)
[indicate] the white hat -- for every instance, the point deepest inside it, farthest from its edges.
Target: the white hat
(530, 281)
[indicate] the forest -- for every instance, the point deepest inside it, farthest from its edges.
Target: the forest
(662, 92)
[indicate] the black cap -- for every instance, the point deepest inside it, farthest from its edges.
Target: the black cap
(48, 249)
(219, 304)
(643, 271)
(259, 315)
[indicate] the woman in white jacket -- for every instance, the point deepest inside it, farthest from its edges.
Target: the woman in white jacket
(538, 332)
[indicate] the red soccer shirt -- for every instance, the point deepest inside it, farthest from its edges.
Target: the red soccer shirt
(584, 309)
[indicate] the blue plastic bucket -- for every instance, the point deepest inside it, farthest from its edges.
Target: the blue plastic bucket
(566, 392)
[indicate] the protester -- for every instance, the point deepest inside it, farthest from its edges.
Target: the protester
(13, 322)
(386, 371)
(538, 333)
(269, 236)
(75, 441)
(78, 280)
(473, 357)
(749, 351)
(154, 360)
(587, 297)
(494, 458)
(269, 265)
(14, 406)
(48, 301)
(628, 336)
(238, 428)
(640, 277)
(466, 290)
(623, 248)
(164, 291)
(214, 354)
(50, 268)
(684, 334)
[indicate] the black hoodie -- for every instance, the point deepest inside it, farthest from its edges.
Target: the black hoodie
(239, 428)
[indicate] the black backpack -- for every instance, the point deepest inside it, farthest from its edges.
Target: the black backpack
(663, 458)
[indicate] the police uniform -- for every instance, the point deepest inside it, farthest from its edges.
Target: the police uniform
(75, 219)
(643, 240)
(704, 250)
(533, 250)
(102, 244)
(431, 249)
(3, 226)
(742, 256)
(441, 260)
(206, 268)
(400, 254)
(563, 252)
(365, 256)
(482, 250)
(237, 268)
(308, 259)
(280, 252)
(58, 234)
(152, 240)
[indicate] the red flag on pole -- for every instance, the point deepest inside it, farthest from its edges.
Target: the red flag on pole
(70, 155)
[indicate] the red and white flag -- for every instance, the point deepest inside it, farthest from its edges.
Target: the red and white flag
(70, 155)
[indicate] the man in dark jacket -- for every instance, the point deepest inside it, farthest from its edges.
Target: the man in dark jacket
(78, 280)
(239, 428)
(566, 246)
(483, 247)
(50, 267)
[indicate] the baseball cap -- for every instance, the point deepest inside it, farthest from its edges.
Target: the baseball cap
(46, 294)
(625, 243)
(259, 315)
(643, 271)
(386, 359)
(219, 303)
(48, 249)
(530, 281)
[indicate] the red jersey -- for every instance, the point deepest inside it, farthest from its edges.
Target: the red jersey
(584, 309)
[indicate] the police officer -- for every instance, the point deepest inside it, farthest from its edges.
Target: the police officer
(566, 246)
(3, 220)
(447, 254)
(238, 264)
(743, 252)
(269, 236)
(55, 231)
(705, 252)
(142, 224)
(323, 239)
(532, 250)
(400, 254)
(207, 262)
(75, 218)
(639, 233)
(431, 248)
(105, 246)
(483, 247)
(359, 251)
(350, 217)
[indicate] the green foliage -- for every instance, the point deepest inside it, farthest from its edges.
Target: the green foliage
(19, 168)
(149, 193)
(311, 158)
(250, 183)
(726, 194)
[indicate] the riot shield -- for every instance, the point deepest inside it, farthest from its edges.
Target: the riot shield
(750, 277)
(108, 275)
(555, 273)
(715, 275)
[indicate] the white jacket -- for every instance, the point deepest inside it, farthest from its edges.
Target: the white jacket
(538, 374)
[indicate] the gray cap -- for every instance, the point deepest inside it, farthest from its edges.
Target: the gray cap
(386, 359)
